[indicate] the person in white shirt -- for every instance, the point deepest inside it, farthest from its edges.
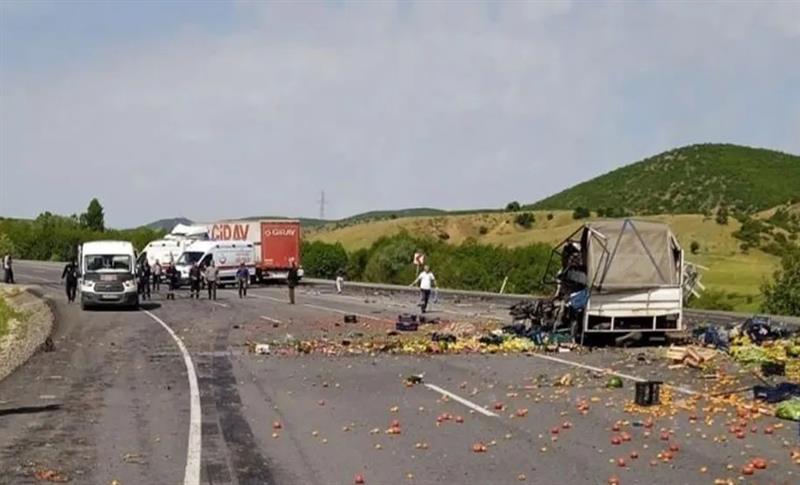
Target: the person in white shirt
(426, 281)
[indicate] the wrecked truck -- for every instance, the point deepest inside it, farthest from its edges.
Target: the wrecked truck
(619, 276)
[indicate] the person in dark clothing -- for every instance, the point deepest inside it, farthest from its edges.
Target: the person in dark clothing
(70, 277)
(242, 278)
(172, 280)
(194, 281)
(8, 268)
(292, 279)
(144, 280)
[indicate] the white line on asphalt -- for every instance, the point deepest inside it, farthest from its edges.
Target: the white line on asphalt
(223, 305)
(369, 317)
(273, 320)
(194, 448)
(46, 280)
(608, 371)
(460, 399)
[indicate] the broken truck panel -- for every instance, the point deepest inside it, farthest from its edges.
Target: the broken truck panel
(621, 276)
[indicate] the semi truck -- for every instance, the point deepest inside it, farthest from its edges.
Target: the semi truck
(276, 243)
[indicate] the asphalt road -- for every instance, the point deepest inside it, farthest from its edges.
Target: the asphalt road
(120, 405)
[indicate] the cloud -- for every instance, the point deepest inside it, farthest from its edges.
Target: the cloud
(390, 105)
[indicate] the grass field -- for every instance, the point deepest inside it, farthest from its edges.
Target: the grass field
(728, 269)
(6, 315)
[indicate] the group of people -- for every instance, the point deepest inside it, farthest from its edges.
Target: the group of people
(150, 277)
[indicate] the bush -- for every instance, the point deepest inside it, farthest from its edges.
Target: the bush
(581, 213)
(356, 264)
(322, 260)
(525, 219)
(6, 246)
(694, 247)
(483, 230)
(712, 300)
(550, 216)
(722, 215)
(513, 206)
(471, 265)
(782, 295)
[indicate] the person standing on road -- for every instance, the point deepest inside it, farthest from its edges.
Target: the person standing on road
(211, 274)
(172, 282)
(339, 282)
(194, 281)
(144, 280)
(242, 278)
(157, 277)
(8, 268)
(70, 277)
(426, 281)
(292, 279)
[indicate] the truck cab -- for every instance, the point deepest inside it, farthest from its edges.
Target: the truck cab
(107, 274)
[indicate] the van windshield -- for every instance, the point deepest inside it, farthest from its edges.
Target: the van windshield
(107, 263)
(189, 257)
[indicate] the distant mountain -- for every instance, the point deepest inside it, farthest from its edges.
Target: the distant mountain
(167, 224)
(689, 180)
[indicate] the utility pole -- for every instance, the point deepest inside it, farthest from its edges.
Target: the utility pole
(322, 203)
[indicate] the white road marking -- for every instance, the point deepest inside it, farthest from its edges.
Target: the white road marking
(46, 280)
(223, 305)
(269, 319)
(342, 312)
(461, 400)
(194, 448)
(609, 372)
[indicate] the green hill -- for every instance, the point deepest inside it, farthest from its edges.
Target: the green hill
(694, 179)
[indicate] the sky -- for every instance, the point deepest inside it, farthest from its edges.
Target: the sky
(215, 110)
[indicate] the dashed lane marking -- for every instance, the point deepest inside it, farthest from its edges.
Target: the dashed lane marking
(270, 319)
(465, 402)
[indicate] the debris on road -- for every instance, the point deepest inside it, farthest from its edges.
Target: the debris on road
(691, 356)
(789, 410)
(50, 476)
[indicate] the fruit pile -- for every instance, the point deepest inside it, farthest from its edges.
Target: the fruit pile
(744, 351)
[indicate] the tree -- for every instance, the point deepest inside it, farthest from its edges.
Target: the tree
(722, 215)
(550, 216)
(581, 213)
(94, 218)
(322, 260)
(513, 206)
(6, 246)
(782, 296)
(694, 247)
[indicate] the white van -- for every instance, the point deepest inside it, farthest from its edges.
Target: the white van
(166, 251)
(107, 274)
(227, 256)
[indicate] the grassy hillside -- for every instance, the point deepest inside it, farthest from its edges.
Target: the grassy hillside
(693, 179)
(729, 270)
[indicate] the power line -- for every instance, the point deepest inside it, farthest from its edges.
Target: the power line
(322, 203)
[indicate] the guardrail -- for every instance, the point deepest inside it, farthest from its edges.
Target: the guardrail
(497, 297)
(512, 297)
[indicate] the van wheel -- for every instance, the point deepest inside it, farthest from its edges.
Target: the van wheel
(84, 306)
